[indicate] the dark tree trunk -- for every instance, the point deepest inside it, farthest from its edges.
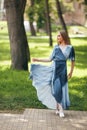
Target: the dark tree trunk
(61, 17)
(33, 32)
(48, 22)
(18, 41)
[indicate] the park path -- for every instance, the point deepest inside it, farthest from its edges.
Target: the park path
(43, 119)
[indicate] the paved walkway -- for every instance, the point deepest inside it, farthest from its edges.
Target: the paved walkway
(43, 119)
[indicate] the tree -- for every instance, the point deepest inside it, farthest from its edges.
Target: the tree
(61, 17)
(85, 2)
(30, 12)
(18, 41)
(41, 16)
(48, 22)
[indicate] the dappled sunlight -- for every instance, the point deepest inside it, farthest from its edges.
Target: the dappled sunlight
(78, 72)
(79, 41)
(78, 92)
(5, 64)
(16, 90)
(3, 27)
(6, 38)
(4, 50)
(78, 123)
(40, 51)
(40, 41)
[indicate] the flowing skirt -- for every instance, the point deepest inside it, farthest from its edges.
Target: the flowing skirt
(42, 79)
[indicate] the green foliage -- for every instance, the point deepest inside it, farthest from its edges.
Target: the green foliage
(41, 17)
(66, 7)
(31, 13)
(85, 2)
(36, 12)
(16, 90)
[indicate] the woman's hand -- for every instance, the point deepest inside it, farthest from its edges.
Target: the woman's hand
(71, 70)
(69, 75)
(34, 59)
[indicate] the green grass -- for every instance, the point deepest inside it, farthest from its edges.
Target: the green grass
(16, 90)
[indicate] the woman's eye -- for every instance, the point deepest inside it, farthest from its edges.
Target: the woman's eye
(58, 36)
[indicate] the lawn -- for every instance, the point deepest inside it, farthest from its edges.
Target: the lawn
(16, 90)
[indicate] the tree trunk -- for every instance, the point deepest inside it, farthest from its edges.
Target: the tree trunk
(61, 17)
(33, 32)
(18, 41)
(48, 22)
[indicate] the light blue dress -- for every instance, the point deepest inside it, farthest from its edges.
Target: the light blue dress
(51, 81)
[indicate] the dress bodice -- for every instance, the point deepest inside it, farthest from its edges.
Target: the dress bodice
(59, 55)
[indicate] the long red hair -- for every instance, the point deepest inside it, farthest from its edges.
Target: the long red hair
(65, 37)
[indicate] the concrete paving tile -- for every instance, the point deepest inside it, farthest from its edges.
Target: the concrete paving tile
(43, 119)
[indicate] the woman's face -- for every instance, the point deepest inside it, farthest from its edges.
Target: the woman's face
(59, 38)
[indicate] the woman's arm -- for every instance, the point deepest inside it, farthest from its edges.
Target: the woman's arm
(71, 70)
(41, 60)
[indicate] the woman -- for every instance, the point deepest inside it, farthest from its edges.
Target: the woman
(51, 82)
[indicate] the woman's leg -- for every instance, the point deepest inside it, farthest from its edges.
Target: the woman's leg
(59, 110)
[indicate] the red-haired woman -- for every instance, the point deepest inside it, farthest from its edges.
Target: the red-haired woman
(51, 82)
